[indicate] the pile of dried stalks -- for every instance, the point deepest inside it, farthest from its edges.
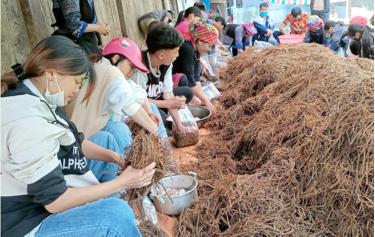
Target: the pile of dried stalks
(291, 152)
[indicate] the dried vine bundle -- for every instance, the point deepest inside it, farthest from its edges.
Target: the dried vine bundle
(291, 151)
(149, 230)
(147, 148)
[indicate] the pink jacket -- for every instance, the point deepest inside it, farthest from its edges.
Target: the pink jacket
(183, 29)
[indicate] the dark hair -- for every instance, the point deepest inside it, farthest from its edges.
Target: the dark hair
(153, 24)
(163, 37)
(296, 11)
(366, 42)
(193, 10)
(119, 60)
(180, 17)
(57, 53)
(354, 28)
(200, 5)
(263, 5)
(328, 24)
(221, 20)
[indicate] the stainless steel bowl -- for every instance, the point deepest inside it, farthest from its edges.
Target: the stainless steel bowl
(174, 204)
(200, 112)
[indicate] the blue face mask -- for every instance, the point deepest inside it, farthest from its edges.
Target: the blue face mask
(264, 14)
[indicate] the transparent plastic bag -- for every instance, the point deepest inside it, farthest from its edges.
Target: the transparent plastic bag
(211, 91)
(341, 52)
(262, 44)
(191, 137)
(149, 211)
(146, 216)
(204, 59)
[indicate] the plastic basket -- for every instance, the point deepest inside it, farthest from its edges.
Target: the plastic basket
(291, 39)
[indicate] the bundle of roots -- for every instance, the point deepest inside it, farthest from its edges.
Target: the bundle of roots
(147, 148)
(291, 150)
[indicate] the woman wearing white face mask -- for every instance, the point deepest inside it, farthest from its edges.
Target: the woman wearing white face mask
(57, 98)
(43, 157)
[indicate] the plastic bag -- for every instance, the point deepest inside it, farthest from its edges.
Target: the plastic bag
(262, 44)
(341, 52)
(182, 139)
(211, 91)
(146, 216)
(204, 60)
(149, 211)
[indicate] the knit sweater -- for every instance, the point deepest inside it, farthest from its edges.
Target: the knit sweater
(113, 97)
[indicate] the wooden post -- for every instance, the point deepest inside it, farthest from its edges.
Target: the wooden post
(129, 18)
(25, 22)
(38, 18)
(107, 12)
(15, 44)
(348, 9)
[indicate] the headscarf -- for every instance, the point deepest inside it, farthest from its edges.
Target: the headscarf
(314, 22)
(250, 29)
(204, 32)
(360, 20)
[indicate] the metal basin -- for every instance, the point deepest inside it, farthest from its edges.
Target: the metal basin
(200, 112)
(174, 204)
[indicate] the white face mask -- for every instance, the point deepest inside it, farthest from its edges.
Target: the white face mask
(55, 99)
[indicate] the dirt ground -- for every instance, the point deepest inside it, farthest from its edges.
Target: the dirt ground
(186, 155)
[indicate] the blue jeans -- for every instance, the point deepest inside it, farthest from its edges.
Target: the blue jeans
(162, 131)
(110, 217)
(276, 35)
(116, 136)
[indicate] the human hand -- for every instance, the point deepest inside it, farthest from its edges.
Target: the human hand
(210, 106)
(132, 178)
(155, 118)
(4, 87)
(118, 159)
(103, 29)
(176, 102)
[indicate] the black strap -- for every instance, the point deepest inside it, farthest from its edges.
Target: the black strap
(20, 73)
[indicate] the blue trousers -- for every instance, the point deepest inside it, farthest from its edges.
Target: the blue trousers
(109, 217)
(116, 136)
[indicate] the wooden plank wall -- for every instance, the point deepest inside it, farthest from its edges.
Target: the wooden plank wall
(132, 10)
(25, 22)
(14, 41)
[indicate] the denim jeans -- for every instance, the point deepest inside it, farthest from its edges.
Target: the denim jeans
(105, 171)
(162, 131)
(276, 35)
(109, 217)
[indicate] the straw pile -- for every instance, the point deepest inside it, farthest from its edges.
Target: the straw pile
(291, 151)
